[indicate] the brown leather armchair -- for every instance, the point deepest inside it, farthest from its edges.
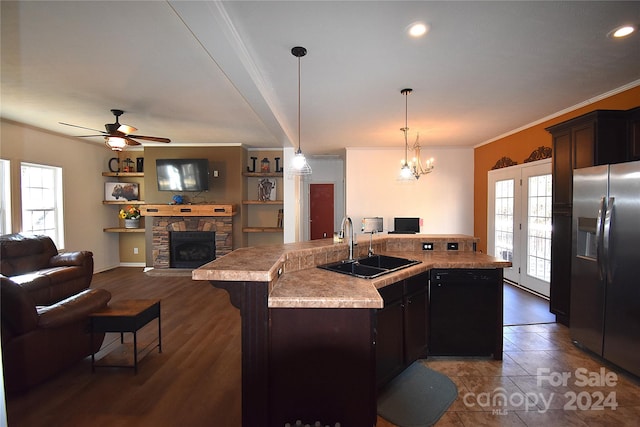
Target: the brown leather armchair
(45, 307)
(34, 263)
(40, 341)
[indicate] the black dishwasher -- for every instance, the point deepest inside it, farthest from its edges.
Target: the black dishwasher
(465, 307)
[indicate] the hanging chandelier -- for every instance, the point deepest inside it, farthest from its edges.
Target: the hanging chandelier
(414, 168)
(299, 164)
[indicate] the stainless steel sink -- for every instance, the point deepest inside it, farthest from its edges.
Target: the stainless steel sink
(370, 267)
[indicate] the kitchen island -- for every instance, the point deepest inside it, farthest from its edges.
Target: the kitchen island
(311, 337)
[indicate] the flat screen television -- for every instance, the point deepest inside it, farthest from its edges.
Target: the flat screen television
(182, 174)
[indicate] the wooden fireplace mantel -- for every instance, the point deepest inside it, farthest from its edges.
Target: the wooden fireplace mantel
(188, 210)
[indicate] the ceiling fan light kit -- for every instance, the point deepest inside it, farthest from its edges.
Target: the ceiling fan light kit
(299, 164)
(118, 136)
(115, 142)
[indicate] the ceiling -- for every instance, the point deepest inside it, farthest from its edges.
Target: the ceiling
(207, 73)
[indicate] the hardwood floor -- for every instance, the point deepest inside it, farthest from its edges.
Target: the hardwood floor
(195, 381)
(524, 308)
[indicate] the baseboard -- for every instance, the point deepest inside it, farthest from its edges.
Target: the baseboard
(509, 282)
(133, 264)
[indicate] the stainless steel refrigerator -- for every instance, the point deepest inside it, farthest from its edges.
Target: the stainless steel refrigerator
(605, 269)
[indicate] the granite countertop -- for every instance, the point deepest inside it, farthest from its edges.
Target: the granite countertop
(296, 282)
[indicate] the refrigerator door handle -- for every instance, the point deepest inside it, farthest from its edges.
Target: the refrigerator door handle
(606, 239)
(600, 259)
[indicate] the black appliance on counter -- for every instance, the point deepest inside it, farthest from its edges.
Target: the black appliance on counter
(405, 226)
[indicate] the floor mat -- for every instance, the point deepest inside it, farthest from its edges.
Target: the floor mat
(417, 397)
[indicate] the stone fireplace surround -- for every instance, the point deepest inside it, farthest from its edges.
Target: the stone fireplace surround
(162, 225)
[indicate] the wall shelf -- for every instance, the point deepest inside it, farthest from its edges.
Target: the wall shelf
(258, 202)
(122, 230)
(262, 174)
(262, 219)
(123, 202)
(123, 174)
(262, 230)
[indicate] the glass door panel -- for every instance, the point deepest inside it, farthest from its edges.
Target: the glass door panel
(538, 232)
(502, 235)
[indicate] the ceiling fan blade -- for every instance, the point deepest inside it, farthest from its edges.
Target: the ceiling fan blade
(131, 141)
(89, 136)
(126, 129)
(150, 138)
(82, 127)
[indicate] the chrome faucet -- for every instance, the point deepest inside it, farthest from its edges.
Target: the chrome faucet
(347, 221)
(371, 242)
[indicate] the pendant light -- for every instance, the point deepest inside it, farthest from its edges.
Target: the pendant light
(299, 165)
(412, 169)
(405, 170)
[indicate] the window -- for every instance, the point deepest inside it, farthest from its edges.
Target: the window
(5, 197)
(42, 201)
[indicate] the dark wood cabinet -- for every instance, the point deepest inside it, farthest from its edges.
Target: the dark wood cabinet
(596, 138)
(416, 318)
(388, 334)
(401, 327)
(562, 167)
(634, 134)
(560, 290)
(321, 367)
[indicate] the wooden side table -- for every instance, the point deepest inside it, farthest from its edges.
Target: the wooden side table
(126, 316)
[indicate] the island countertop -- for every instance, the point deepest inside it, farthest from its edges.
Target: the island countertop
(296, 282)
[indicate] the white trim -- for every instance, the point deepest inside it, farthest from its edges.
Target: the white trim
(565, 111)
(132, 264)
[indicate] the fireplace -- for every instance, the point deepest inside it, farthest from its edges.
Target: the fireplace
(163, 226)
(191, 249)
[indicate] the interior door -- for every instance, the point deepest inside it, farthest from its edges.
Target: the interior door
(321, 210)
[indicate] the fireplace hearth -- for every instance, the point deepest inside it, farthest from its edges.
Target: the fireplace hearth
(191, 249)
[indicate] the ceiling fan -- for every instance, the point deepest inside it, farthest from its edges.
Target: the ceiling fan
(118, 135)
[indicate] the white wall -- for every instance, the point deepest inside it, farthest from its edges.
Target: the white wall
(82, 165)
(443, 198)
(326, 170)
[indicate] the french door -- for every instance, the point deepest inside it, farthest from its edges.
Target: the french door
(519, 222)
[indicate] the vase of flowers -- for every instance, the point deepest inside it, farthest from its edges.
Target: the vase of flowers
(131, 216)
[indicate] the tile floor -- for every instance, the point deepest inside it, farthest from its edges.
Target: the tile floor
(530, 381)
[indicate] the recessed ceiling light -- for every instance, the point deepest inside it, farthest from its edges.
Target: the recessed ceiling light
(622, 31)
(418, 29)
